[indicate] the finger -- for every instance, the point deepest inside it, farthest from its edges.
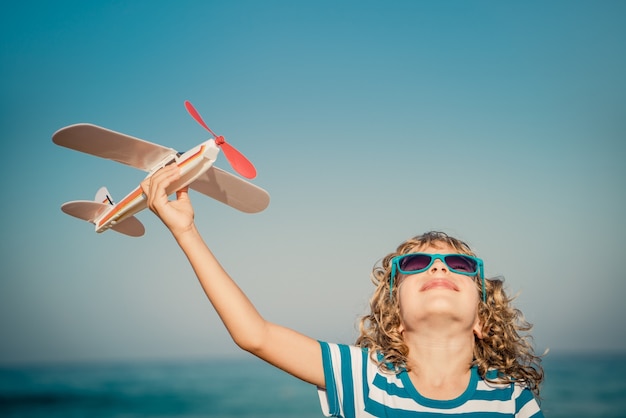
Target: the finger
(182, 193)
(145, 186)
(164, 177)
(155, 186)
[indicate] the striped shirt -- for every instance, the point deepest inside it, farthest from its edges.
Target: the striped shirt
(355, 387)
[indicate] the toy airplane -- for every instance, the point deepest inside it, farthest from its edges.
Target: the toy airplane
(197, 172)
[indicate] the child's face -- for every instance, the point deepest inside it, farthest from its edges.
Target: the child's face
(438, 296)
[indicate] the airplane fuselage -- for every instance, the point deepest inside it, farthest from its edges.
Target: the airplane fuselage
(192, 163)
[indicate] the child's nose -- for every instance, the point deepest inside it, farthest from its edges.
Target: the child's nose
(438, 265)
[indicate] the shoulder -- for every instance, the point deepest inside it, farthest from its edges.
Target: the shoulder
(517, 394)
(343, 359)
(350, 358)
(357, 369)
(355, 384)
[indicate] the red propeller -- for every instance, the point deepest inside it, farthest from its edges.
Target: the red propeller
(240, 164)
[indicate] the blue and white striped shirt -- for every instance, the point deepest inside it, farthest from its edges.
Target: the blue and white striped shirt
(355, 387)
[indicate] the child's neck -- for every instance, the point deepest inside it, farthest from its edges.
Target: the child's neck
(440, 364)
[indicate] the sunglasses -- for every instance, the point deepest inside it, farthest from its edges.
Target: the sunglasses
(414, 263)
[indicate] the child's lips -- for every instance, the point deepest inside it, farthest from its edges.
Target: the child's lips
(439, 283)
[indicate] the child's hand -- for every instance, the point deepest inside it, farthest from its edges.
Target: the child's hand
(177, 214)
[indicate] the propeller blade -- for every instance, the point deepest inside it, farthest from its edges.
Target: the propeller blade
(194, 114)
(236, 159)
(240, 164)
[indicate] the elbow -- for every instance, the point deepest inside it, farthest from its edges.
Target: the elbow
(252, 342)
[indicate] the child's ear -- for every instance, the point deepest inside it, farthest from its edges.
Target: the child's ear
(478, 328)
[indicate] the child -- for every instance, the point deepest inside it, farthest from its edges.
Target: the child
(440, 339)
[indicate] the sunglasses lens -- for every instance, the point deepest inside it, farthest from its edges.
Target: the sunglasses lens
(461, 263)
(414, 262)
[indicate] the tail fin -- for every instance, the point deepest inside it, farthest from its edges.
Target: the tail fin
(103, 196)
(90, 210)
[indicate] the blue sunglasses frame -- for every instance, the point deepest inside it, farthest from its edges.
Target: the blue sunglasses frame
(395, 268)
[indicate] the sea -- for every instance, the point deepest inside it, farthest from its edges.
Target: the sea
(576, 385)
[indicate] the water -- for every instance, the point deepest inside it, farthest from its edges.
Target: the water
(234, 388)
(576, 386)
(584, 385)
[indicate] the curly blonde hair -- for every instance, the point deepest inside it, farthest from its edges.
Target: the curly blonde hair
(504, 347)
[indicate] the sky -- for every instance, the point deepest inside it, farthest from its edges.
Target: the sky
(501, 123)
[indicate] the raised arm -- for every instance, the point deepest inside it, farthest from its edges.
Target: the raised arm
(286, 349)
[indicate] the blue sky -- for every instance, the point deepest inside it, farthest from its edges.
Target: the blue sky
(502, 123)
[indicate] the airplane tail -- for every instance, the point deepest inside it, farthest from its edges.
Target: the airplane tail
(91, 210)
(103, 196)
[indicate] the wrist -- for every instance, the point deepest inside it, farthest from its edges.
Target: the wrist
(184, 235)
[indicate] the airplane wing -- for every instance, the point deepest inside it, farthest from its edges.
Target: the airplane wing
(231, 190)
(216, 183)
(102, 142)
